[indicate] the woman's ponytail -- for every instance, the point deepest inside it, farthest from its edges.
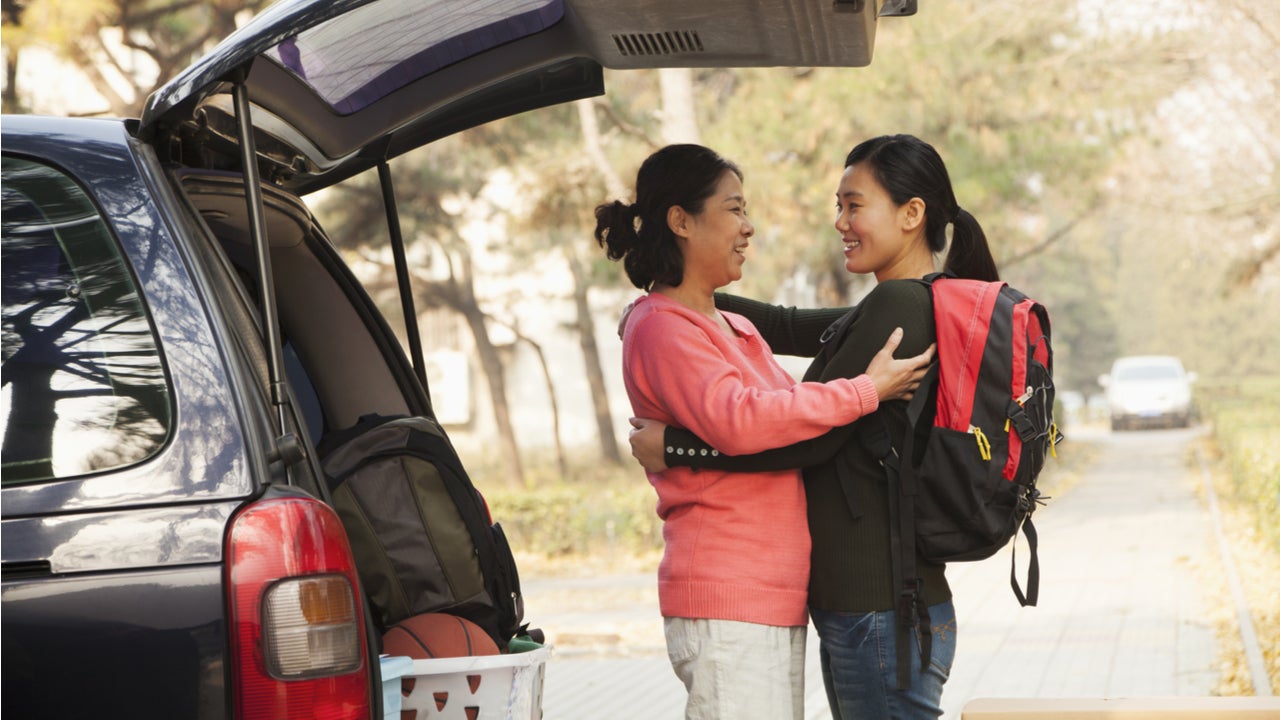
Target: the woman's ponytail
(618, 231)
(616, 228)
(970, 256)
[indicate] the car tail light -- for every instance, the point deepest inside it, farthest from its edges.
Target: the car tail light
(297, 620)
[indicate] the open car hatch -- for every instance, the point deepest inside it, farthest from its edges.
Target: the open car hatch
(338, 86)
(312, 92)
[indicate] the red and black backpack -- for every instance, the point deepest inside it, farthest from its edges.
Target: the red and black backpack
(981, 425)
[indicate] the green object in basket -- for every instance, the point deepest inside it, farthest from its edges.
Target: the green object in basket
(522, 643)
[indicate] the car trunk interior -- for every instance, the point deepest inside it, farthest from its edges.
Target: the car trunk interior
(348, 363)
(342, 362)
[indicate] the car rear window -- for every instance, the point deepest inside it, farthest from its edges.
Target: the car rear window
(1157, 371)
(372, 51)
(84, 386)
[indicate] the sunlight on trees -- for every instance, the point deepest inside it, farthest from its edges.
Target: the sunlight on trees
(124, 48)
(1122, 159)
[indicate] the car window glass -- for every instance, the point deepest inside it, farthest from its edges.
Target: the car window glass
(367, 53)
(84, 387)
(304, 393)
(1148, 372)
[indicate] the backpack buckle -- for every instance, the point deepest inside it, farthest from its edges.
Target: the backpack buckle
(906, 608)
(1021, 422)
(1028, 498)
(908, 599)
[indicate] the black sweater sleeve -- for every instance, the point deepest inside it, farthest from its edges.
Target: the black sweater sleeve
(787, 330)
(684, 449)
(904, 304)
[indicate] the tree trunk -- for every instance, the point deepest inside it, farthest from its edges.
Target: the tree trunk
(591, 358)
(679, 120)
(591, 139)
(562, 461)
(27, 442)
(581, 282)
(11, 103)
(491, 364)
(458, 294)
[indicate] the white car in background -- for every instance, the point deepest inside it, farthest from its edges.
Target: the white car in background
(1151, 390)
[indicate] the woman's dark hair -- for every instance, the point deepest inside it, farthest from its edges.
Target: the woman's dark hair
(908, 167)
(684, 175)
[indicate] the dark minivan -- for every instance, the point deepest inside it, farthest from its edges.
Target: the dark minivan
(180, 333)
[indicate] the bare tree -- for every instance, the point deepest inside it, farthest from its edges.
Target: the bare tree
(105, 41)
(449, 280)
(582, 281)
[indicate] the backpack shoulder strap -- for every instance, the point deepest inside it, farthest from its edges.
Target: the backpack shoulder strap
(911, 613)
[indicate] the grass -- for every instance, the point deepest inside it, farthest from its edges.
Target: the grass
(1258, 566)
(597, 517)
(1244, 466)
(1245, 415)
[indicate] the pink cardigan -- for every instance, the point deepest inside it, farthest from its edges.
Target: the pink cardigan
(737, 544)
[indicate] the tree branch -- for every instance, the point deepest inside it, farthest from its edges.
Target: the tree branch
(150, 16)
(591, 139)
(1050, 239)
(118, 105)
(626, 127)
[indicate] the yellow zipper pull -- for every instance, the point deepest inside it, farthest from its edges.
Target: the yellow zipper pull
(984, 445)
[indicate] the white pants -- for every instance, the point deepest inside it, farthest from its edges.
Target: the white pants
(736, 670)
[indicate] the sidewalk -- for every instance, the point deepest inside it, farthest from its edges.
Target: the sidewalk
(1121, 611)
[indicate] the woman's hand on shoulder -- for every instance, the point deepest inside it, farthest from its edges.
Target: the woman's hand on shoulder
(897, 379)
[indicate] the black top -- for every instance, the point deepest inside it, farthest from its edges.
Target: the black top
(848, 506)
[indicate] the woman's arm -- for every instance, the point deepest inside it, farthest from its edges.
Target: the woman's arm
(890, 305)
(678, 369)
(787, 330)
(658, 446)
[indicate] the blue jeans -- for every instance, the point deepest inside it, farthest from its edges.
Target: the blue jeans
(860, 665)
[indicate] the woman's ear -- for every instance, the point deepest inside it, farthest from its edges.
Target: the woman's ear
(678, 221)
(912, 214)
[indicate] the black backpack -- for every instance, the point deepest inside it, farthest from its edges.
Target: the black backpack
(420, 532)
(985, 413)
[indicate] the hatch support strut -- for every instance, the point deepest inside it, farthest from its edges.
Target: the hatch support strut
(402, 273)
(287, 447)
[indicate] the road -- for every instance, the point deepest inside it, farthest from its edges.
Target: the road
(1122, 610)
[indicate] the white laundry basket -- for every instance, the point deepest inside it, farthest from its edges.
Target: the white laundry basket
(486, 687)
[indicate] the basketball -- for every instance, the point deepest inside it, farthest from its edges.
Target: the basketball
(437, 635)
